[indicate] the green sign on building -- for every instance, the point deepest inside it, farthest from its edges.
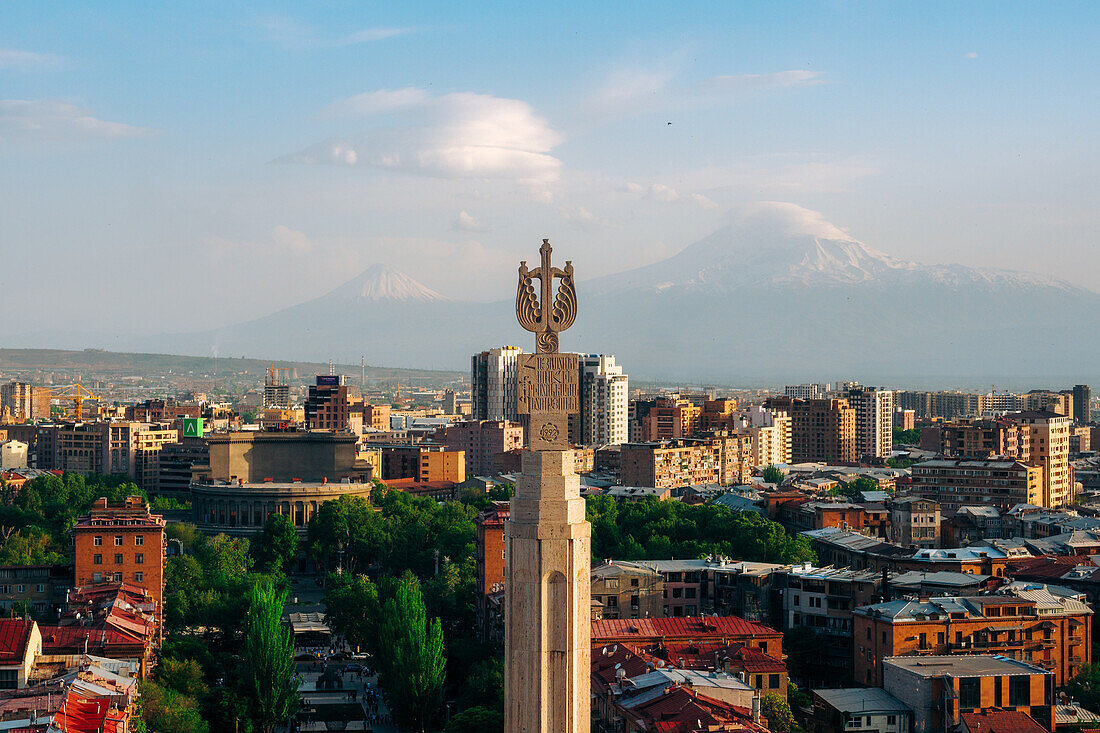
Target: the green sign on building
(192, 427)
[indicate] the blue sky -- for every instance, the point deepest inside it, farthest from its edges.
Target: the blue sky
(225, 159)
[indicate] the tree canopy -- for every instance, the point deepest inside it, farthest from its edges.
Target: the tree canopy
(652, 529)
(269, 651)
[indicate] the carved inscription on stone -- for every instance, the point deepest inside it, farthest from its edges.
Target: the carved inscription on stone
(547, 383)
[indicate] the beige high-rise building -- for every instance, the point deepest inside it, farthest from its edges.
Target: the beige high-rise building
(547, 664)
(771, 435)
(20, 401)
(1048, 438)
(821, 430)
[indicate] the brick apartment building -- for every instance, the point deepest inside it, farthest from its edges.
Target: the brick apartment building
(954, 483)
(482, 441)
(490, 567)
(121, 543)
(821, 429)
(724, 458)
(1021, 620)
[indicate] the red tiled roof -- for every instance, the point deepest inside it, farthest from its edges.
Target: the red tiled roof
(79, 714)
(1001, 721)
(1047, 566)
(15, 633)
(59, 638)
(693, 627)
(682, 711)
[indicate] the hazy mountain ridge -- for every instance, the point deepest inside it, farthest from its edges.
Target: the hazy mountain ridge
(779, 295)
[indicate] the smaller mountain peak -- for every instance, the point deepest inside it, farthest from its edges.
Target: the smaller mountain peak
(383, 282)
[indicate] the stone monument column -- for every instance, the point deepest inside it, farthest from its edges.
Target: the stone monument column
(547, 643)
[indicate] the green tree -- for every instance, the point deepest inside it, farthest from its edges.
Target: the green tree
(772, 475)
(163, 710)
(476, 720)
(188, 534)
(352, 610)
(854, 489)
(269, 646)
(415, 669)
(484, 685)
(778, 712)
(907, 437)
(182, 675)
(1085, 687)
(276, 545)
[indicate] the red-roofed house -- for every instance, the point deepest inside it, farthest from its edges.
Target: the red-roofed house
(705, 630)
(680, 710)
(999, 721)
(20, 643)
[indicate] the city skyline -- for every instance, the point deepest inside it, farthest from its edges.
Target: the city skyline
(259, 151)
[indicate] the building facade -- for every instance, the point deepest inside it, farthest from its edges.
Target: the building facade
(821, 429)
(874, 413)
(121, 543)
(603, 401)
(493, 380)
(955, 483)
(482, 441)
(914, 522)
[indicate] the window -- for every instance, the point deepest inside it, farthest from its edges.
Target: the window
(97, 559)
(97, 577)
(796, 600)
(773, 681)
(21, 588)
(139, 577)
(118, 558)
(118, 540)
(139, 540)
(970, 693)
(1019, 691)
(633, 582)
(764, 647)
(9, 679)
(118, 577)
(891, 720)
(98, 541)
(139, 558)
(41, 587)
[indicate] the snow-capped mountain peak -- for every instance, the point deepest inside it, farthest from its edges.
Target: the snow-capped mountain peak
(381, 282)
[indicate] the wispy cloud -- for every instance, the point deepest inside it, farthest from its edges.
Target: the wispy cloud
(627, 92)
(54, 120)
(667, 194)
(457, 135)
(295, 34)
(14, 59)
(971, 54)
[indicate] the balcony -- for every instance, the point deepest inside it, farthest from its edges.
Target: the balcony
(1045, 663)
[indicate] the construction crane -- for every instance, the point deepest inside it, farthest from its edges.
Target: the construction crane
(77, 394)
(273, 373)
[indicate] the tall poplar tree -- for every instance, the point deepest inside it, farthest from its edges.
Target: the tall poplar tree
(415, 670)
(269, 645)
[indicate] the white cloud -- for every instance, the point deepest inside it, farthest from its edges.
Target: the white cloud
(51, 120)
(457, 135)
(638, 91)
(790, 219)
(468, 223)
(294, 34)
(291, 239)
(972, 54)
(666, 194)
(11, 58)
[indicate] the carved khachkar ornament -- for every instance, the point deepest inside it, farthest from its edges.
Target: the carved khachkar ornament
(547, 380)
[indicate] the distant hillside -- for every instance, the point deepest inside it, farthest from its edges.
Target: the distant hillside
(121, 363)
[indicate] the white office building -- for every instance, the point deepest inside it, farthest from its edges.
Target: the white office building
(604, 401)
(493, 379)
(874, 421)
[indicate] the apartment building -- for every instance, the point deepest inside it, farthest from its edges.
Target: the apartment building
(627, 590)
(482, 441)
(874, 414)
(329, 404)
(671, 419)
(1001, 483)
(493, 379)
(822, 430)
(990, 438)
(604, 401)
(1043, 625)
(914, 522)
(120, 543)
(771, 435)
(20, 401)
(118, 446)
(1048, 437)
(489, 558)
(1082, 404)
(724, 458)
(943, 691)
(806, 391)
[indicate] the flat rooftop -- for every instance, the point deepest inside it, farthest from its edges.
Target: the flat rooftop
(964, 665)
(863, 700)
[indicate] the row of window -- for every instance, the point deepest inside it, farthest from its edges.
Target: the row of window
(6, 590)
(139, 540)
(139, 559)
(98, 577)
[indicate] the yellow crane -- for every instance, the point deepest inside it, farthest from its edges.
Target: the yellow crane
(77, 394)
